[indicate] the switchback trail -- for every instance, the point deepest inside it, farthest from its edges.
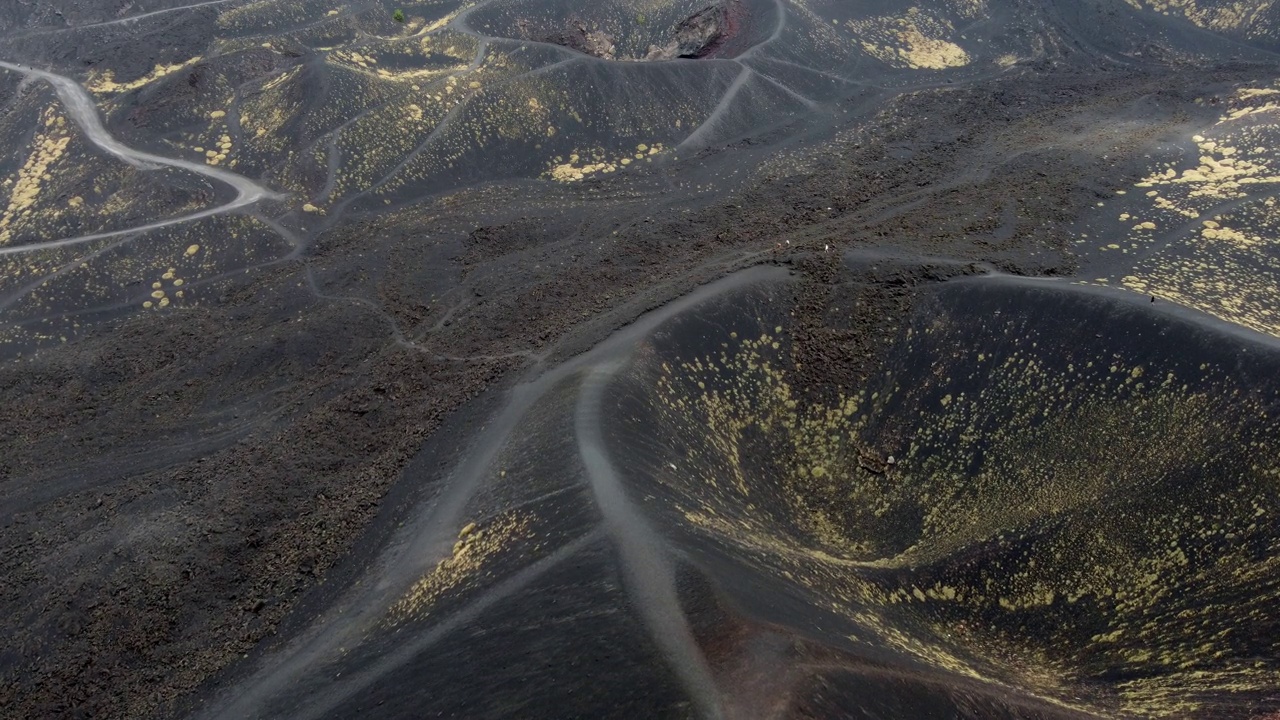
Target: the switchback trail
(84, 112)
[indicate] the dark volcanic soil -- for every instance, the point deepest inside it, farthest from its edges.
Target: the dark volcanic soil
(131, 591)
(174, 486)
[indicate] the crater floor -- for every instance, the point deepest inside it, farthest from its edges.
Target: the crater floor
(741, 358)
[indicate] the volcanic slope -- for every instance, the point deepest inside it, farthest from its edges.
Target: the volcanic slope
(867, 541)
(377, 420)
(351, 114)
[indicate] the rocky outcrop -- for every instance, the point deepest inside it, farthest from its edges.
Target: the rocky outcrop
(590, 42)
(697, 35)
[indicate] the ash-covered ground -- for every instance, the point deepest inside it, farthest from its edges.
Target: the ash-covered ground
(737, 358)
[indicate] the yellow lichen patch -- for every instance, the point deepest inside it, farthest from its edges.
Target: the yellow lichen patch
(217, 154)
(1227, 234)
(1221, 15)
(159, 297)
(368, 63)
(581, 165)
(105, 82)
(915, 39)
(1251, 93)
(191, 250)
(568, 172)
(425, 29)
(476, 548)
(24, 190)
(1223, 278)
(1225, 266)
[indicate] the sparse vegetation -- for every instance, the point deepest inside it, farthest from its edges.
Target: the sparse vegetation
(993, 399)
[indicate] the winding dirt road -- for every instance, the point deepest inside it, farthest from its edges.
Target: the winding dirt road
(82, 109)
